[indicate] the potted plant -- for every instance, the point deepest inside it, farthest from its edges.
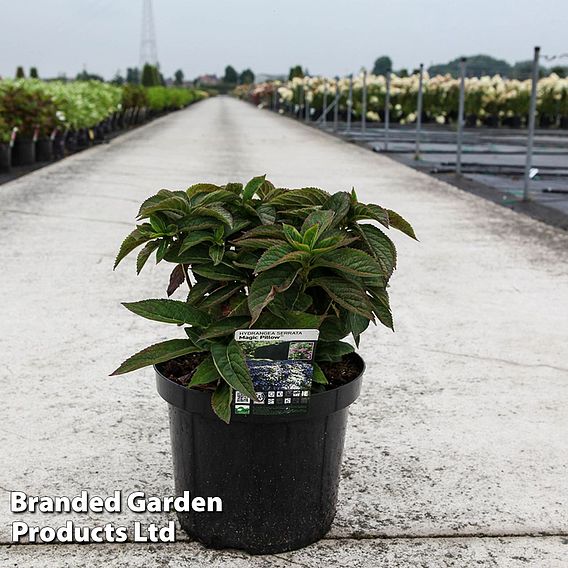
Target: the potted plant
(260, 257)
(5, 146)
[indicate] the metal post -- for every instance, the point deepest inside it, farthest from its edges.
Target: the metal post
(336, 107)
(419, 112)
(387, 110)
(463, 61)
(324, 116)
(532, 113)
(307, 105)
(350, 103)
(364, 102)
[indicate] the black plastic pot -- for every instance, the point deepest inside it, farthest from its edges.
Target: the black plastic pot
(5, 157)
(23, 152)
(44, 150)
(277, 476)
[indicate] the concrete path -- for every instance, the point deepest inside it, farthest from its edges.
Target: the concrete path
(457, 450)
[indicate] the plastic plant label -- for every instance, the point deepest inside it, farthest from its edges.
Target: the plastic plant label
(280, 362)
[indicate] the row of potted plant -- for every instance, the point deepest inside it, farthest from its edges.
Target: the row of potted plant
(40, 120)
(491, 101)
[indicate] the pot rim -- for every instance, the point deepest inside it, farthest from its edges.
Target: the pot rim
(320, 404)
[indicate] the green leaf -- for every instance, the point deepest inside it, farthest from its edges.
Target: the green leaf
(381, 306)
(334, 328)
(231, 364)
(280, 254)
(370, 211)
(346, 294)
(321, 219)
(194, 238)
(235, 188)
(157, 353)
(266, 214)
(226, 326)
(379, 246)
(217, 196)
(401, 224)
(270, 231)
(357, 324)
(318, 375)
(220, 295)
(352, 261)
(132, 241)
(162, 250)
(199, 289)
(252, 186)
(221, 401)
(174, 203)
(332, 351)
(258, 243)
(216, 211)
(292, 235)
(304, 197)
(265, 287)
(216, 253)
(168, 311)
(144, 254)
(197, 223)
(199, 188)
(221, 272)
(205, 373)
(339, 203)
(265, 190)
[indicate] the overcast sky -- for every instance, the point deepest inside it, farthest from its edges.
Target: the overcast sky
(327, 36)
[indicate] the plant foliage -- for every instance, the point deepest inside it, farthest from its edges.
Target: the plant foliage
(257, 256)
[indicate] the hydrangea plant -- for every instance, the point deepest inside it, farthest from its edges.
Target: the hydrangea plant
(258, 256)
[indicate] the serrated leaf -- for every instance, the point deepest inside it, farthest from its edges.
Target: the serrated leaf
(334, 328)
(158, 353)
(318, 375)
(216, 211)
(221, 401)
(279, 254)
(199, 188)
(221, 272)
(370, 211)
(132, 241)
(144, 255)
(217, 196)
(194, 238)
(226, 326)
(177, 278)
(269, 231)
(380, 246)
(381, 307)
(397, 222)
(169, 311)
(321, 219)
(230, 362)
(199, 289)
(234, 187)
(265, 190)
(197, 223)
(220, 295)
(258, 243)
(266, 214)
(252, 186)
(205, 373)
(162, 250)
(265, 286)
(332, 351)
(352, 261)
(292, 235)
(216, 253)
(345, 294)
(339, 203)
(174, 203)
(304, 197)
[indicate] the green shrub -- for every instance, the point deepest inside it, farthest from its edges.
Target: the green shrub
(262, 257)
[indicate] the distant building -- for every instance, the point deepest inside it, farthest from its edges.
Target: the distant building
(207, 80)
